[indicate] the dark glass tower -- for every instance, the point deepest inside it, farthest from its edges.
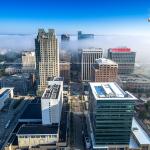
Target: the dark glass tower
(111, 113)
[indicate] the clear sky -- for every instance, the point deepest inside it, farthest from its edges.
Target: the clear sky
(97, 16)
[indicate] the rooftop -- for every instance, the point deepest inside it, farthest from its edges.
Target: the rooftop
(55, 78)
(104, 61)
(109, 90)
(32, 112)
(134, 78)
(123, 49)
(38, 129)
(139, 133)
(51, 92)
(91, 49)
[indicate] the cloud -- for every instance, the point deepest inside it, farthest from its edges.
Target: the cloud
(140, 44)
(16, 42)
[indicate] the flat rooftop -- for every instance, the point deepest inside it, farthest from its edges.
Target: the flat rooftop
(38, 129)
(121, 50)
(91, 49)
(139, 133)
(134, 78)
(55, 78)
(51, 92)
(104, 61)
(109, 90)
(32, 112)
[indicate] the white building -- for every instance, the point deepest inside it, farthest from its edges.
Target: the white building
(5, 93)
(28, 61)
(88, 57)
(51, 102)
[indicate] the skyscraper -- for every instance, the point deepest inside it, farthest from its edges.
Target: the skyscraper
(125, 59)
(65, 37)
(110, 115)
(88, 57)
(47, 56)
(84, 36)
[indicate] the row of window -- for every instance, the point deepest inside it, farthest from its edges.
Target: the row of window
(39, 136)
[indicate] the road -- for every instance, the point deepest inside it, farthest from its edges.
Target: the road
(77, 109)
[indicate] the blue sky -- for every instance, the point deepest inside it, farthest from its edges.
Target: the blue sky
(98, 16)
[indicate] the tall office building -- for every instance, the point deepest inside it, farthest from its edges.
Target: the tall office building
(104, 70)
(88, 57)
(52, 101)
(82, 36)
(47, 56)
(28, 61)
(110, 115)
(125, 59)
(65, 37)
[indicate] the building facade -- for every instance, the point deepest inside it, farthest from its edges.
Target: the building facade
(28, 61)
(51, 102)
(104, 70)
(88, 57)
(82, 36)
(65, 37)
(135, 83)
(110, 115)
(34, 135)
(65, 71)
(125, 59)
(47, 56)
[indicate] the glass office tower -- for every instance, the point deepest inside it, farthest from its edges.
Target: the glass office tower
(111, 112)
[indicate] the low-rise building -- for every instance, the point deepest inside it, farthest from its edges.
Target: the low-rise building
(22, 83)
(34, 135)
(13, 69)
(135, 83)
(104, 70)
(139, 139)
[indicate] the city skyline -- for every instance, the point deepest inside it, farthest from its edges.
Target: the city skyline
(100, 17)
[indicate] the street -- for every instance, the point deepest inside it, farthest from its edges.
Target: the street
(77, 111)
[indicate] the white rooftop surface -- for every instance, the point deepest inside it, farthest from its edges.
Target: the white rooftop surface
(139, 133)
(2, 90)
(109, 90)
(133, 144)
(92, 49)
(104, 61)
